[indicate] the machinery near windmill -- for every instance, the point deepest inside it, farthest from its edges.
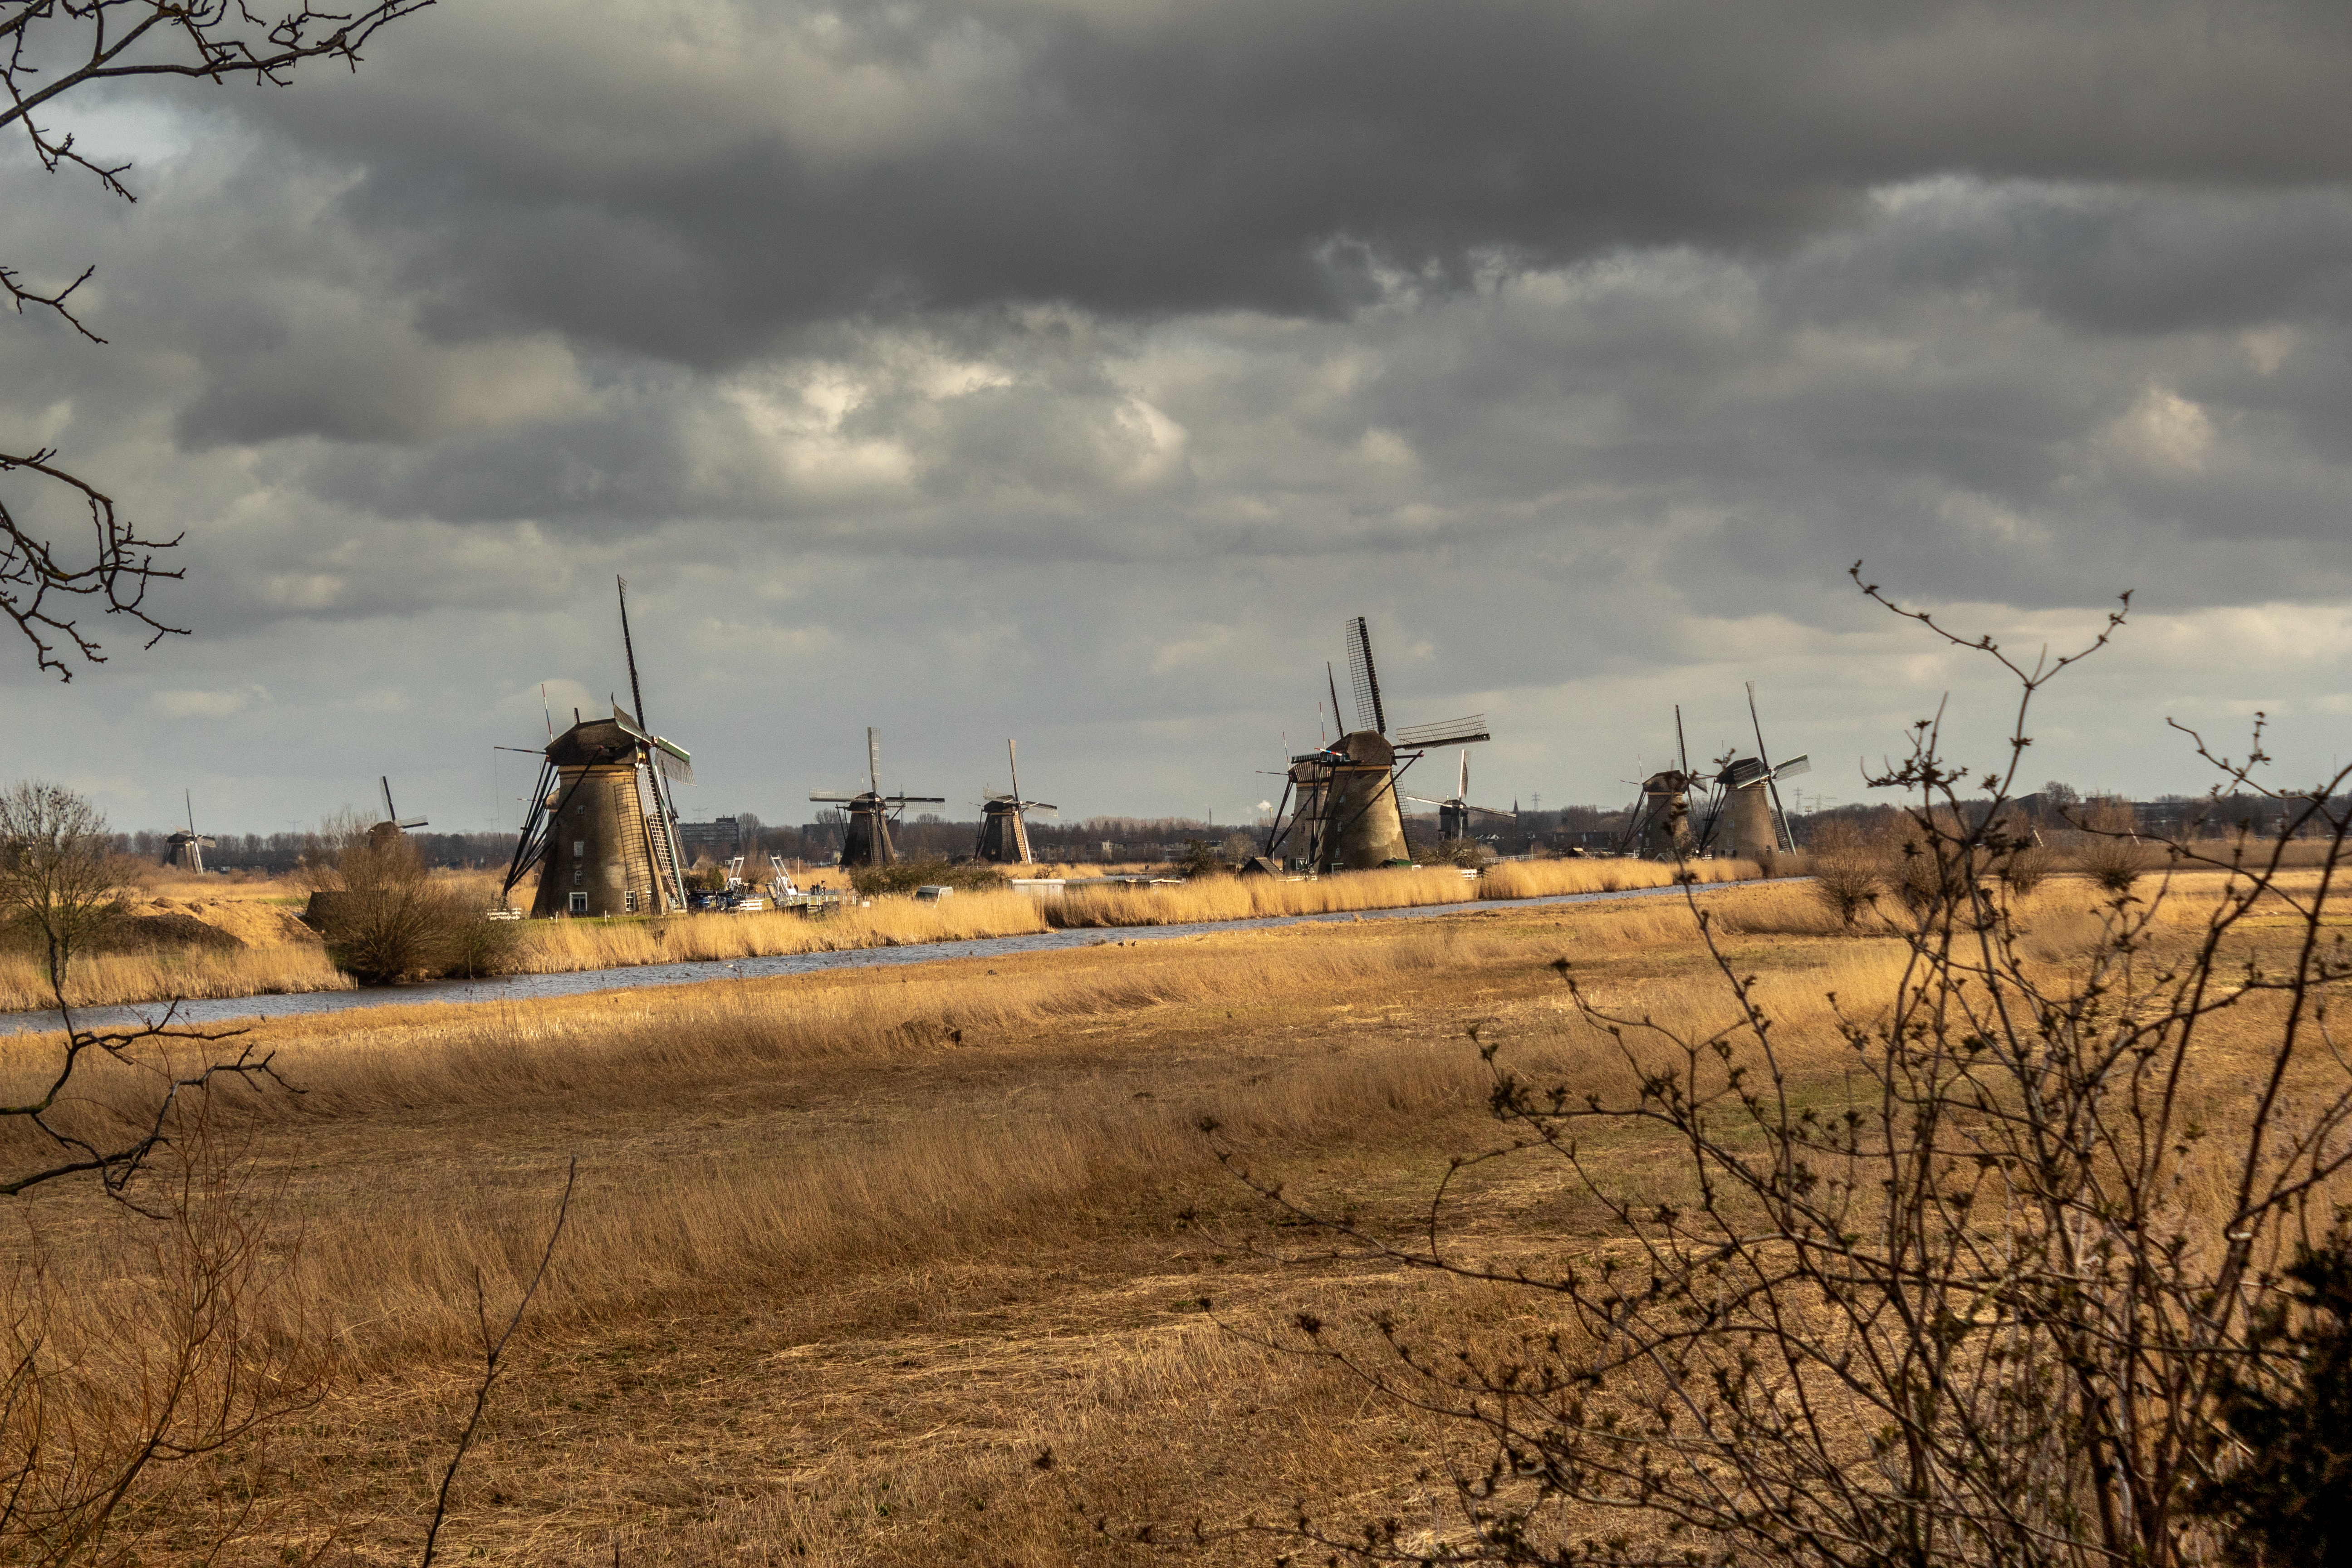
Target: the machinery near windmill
(1340, 810)
(1003, 827)
(870, 812)
(187, 849)
(1453, 815)
(603, 829)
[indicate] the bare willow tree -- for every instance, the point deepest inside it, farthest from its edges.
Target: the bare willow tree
(1981, 1291)
(108, 1101)
(48, 572)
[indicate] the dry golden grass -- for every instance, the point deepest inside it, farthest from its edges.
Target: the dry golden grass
(851, 1248)
(1544, 878)
(110, 978)
(552, 947)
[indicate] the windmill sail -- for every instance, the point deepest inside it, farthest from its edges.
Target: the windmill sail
(1447, 732)
(1370, 714)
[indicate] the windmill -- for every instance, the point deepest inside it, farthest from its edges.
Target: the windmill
(1752, 821)
(1003, 832)
(870, 812)
(187, 849)
(393, 825)
(602, 830)
(1346, 814)
(1453, 815)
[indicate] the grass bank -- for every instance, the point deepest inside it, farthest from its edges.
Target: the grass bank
(558, 947)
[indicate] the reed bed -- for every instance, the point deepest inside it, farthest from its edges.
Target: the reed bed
(1545, 878)
(557, 947)
(1209, 898)
(109, 979)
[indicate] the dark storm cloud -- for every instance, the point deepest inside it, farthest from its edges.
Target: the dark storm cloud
(1073, 369)
(1140, 160)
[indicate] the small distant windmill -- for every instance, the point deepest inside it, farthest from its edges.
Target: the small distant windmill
(393, 825)
(1003, 831)
(1347, 795)
(602, 812)
(870, 812)
(1453, 815)
(187, 849)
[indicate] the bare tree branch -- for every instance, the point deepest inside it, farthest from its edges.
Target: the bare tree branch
(493, 1354)
(49, 48)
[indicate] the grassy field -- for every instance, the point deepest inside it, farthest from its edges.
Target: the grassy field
(851, 1250)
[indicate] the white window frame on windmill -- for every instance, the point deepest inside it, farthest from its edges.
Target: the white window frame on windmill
(579, 903)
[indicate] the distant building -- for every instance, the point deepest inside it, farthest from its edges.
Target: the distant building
(721, 839)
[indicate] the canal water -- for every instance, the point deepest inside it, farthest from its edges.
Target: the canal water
(636, 977)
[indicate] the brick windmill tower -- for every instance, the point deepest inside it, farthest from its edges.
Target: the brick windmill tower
(602, 831)
(1004, 829)
(1347, 813)
(870, 812)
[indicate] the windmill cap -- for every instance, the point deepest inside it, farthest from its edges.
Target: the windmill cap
(1743, 772)
(1369, 749)
(592, 742)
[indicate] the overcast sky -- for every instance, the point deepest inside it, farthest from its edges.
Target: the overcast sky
(1071, 369)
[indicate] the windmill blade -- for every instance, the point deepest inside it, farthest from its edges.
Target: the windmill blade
(1462, 790)
(674, 759)
(391, 813)
(1013, 760)
(1425, 800)
(873, 761)
(629, 648)
(1036, 805)
(1771, 784)
(914, 800)
(1450, 732)
(832, 795)
(1489, 810)
(629, 725)
(1370, 714)
(405, 823)
(1801, 764)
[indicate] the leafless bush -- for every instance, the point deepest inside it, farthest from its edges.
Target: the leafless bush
(2116, 864)
(2026, 867)
(1849, 875)
(1848, 881)
(57, 883)
(386, 918)
(1982, 1309)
